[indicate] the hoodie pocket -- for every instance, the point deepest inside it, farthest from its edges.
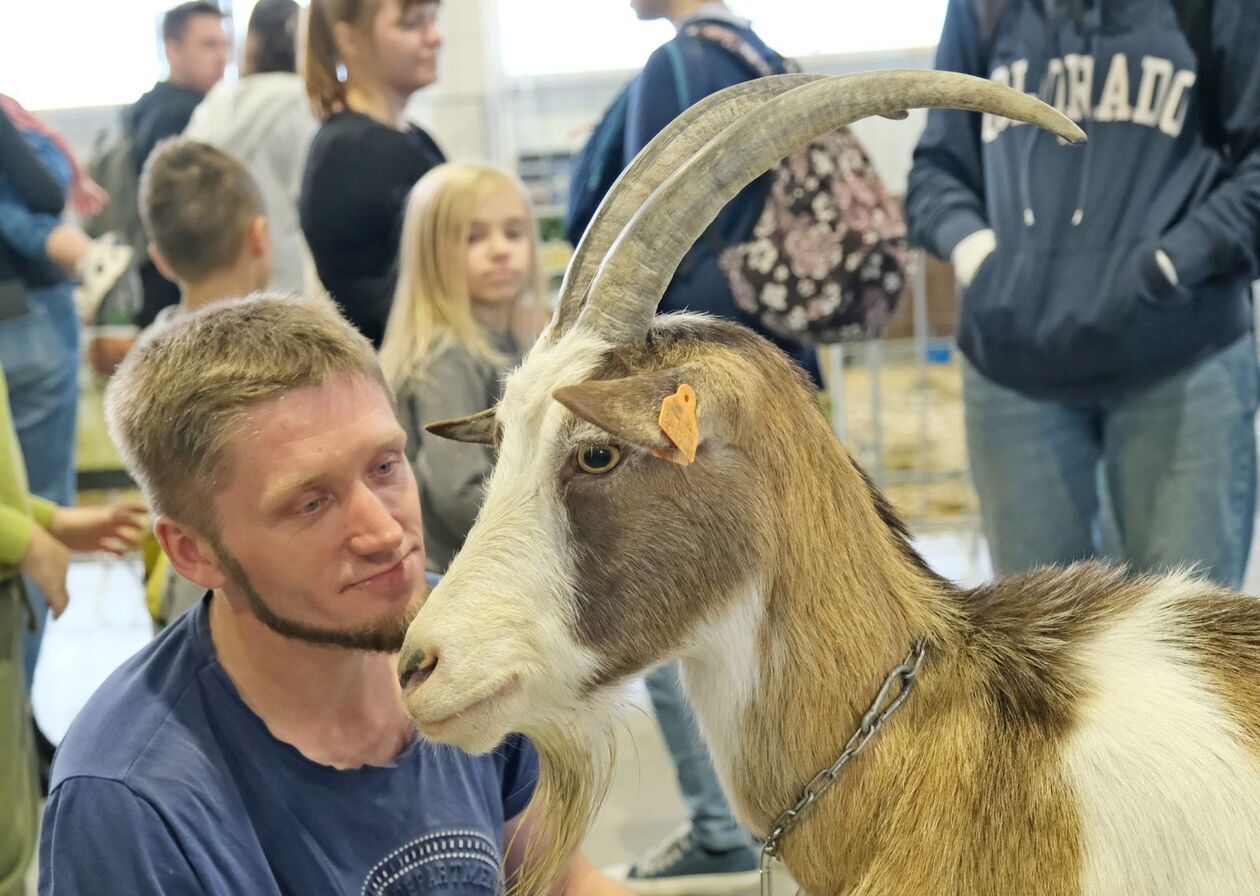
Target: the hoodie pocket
(1033, 316)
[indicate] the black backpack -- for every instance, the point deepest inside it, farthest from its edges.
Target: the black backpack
(601, 159)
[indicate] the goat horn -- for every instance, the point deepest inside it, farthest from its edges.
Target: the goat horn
(638, 267)
(664, 155)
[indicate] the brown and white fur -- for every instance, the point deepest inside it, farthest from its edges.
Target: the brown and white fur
(1073, 732)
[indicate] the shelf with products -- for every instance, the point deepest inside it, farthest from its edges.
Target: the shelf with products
(546, 178)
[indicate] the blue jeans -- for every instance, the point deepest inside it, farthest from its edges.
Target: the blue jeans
(1169, 469)
(712, 825)
(40, 355)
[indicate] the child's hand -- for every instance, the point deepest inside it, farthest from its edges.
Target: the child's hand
(114, 529)
(87, 197)
(45, 563)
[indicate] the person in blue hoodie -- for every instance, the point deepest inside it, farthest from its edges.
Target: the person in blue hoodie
(1110, 371)
(711, 854)
(678, 75)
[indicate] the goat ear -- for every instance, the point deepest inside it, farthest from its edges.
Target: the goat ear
(652, 411)
(477, 428)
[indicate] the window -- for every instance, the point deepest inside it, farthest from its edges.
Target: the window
(599, 35)
(59, 54)
(65, 53)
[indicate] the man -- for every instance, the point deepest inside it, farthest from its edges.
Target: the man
(196, 47)
(259, 745)
(1105, 320)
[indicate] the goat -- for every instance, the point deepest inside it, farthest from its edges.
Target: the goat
(1073, 732)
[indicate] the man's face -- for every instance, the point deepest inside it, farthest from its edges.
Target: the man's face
(319, 522)
(198, 59)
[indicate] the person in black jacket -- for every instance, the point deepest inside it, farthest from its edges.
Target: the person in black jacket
(196, 47)
(365, 156)
(1105, 319)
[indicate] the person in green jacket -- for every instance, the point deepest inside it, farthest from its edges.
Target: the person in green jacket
(36, 538)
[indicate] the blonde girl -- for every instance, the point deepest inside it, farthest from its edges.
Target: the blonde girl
(468, 302)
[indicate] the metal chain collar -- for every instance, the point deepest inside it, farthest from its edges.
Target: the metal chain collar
(883, 706)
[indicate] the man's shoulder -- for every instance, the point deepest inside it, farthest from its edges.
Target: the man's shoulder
(147, 719)
(694, 55)
(164, 98)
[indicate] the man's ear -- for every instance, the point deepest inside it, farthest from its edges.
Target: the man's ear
(658, 412)
(159, 262)
(189, 552)
(478, 428)
(174, 51)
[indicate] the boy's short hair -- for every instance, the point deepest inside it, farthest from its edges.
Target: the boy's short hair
(181, 395)
(175, 22)
(196, 203)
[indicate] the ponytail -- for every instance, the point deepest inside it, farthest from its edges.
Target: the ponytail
(324, 89)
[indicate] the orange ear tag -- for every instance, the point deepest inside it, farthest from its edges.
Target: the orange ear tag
(678, 422)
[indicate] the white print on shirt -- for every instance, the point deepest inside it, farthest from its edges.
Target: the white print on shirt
(1159, 99)
(455, 861)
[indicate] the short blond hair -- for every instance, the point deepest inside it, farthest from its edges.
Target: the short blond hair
(197, 204)
(180, 396)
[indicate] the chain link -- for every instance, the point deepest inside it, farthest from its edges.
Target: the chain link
(902, 679)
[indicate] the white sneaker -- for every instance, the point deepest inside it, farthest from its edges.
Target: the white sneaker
(98, 271)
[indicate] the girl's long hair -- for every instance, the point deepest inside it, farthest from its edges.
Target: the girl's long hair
(432, 307)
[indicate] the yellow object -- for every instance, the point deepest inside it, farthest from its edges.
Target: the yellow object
(678, 421)
(156, 570)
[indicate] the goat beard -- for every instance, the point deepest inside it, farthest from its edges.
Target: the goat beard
(575, 768)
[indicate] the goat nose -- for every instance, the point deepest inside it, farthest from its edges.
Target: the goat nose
(415, 668)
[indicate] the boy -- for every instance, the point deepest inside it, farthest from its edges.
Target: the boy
(207, 232)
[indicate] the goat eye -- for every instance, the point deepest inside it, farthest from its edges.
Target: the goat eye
(598, 458)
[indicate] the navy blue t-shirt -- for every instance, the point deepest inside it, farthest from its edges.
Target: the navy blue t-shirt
(168, 783)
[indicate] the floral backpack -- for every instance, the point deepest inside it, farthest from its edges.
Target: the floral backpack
(828, 259)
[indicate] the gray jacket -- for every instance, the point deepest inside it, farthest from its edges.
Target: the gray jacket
(451, 475)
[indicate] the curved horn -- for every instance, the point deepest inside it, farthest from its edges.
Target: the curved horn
(638, 268)
(666, 153)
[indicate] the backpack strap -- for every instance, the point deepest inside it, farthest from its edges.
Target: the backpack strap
(738, 46)
(678, 64)
(730, 40)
